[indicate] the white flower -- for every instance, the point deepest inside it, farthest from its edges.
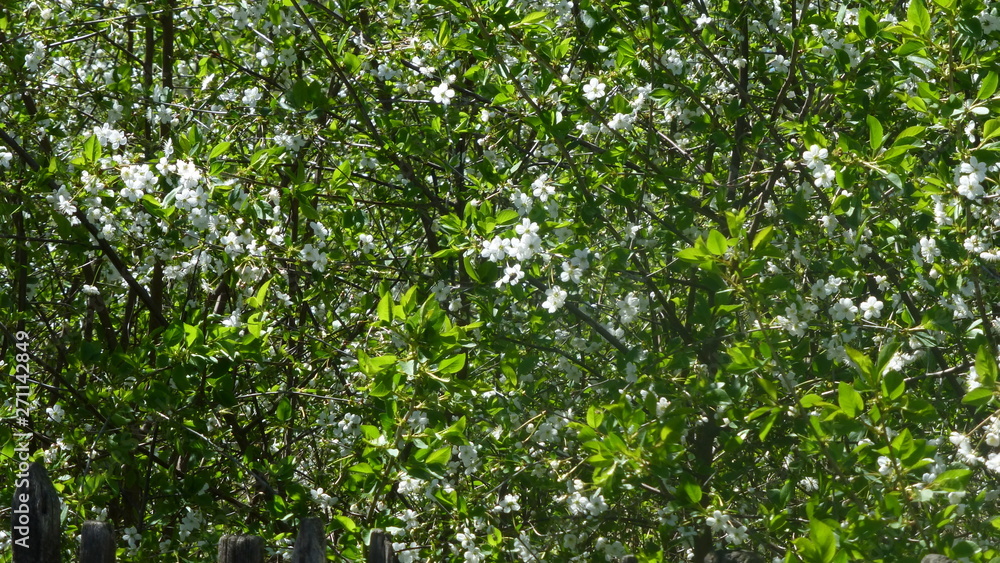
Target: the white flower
(717, 521)
(494, 250)
(138, 180)
(974, 168)
(928, 249)
(366, 242)
(108, 136)
(191, 522)
(418, 421)
(823, 176)
(571, 273)
(843, 310)
(251, 96)
(132, 536)
(265, 56)
(972, 379)
(871, 308)
(588, 128)
(441, 290)
(508, 504)
(316, 256)
(443, 93)
(512, 275)
(884, 465)
(702, 21)
(814, 156)
(189, 175)
(621, 121)
(661, 406)
(555, 297)
(779, 64)
(55, 412)
(5, 158)
(322, 498)
(32, 59)
(594, 90)
(526, 226)
(631, 307)
(542, 189)
(62, 201)
(737, 534)
(320, 230)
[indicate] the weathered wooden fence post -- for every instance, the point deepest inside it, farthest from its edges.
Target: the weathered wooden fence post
(34, 518)
(241, 549)
(380, 548)
(97, 543)
(310, 546)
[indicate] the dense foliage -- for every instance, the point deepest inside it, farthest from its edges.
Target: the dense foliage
(526, 280)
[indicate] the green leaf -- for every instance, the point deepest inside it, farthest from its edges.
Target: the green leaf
(906, 136)
(875, 134)
(850, 400)
(92, 149)
(363, 467)
(384, 308)
(867, 25)
(717, 243)
(257, 301)
(439, 457)
(763, 236)
(594, 417)
(284, 410)
(988, 86)
(895, 151)
(691, 254)
(219, 149)
(691, 489)
(807, 550)
(811, 399)
(155, 208)
(893, 385)
(506, 216)
(456, 430)
(917, 15)
(978, 397)
(444, 33)
(452, 365)
(824, 539)
(991, 129)
(346, 523)
(768, 424)
(371, 366)
(626, 53)
(533, 17)
(917, 103)
(986, 366)
(952, 480)
(409, 301)
(862, 362)
(351, 62)
(383, 385)
(307, 209)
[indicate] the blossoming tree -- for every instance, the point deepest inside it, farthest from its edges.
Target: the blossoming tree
(530, 280)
